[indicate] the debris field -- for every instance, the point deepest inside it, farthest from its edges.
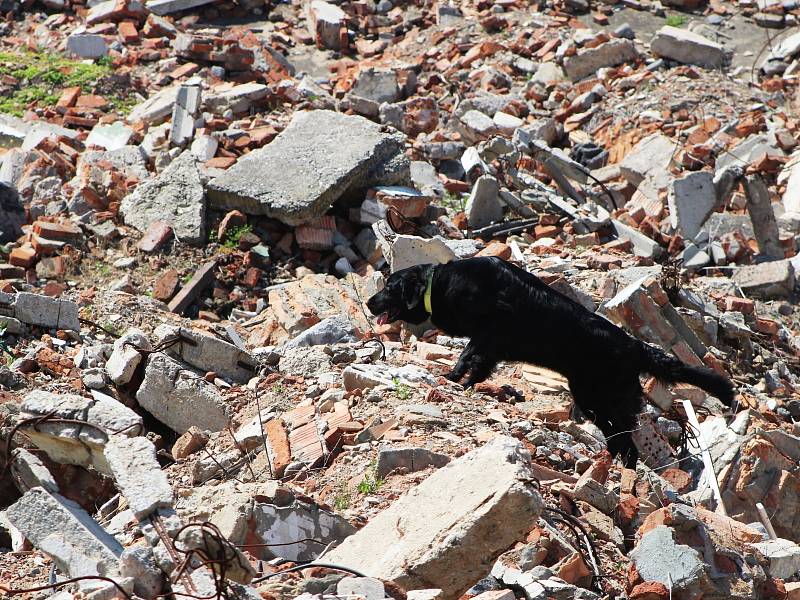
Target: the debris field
(197, 197)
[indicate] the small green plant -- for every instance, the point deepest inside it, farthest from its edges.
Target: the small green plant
(186, 278)
(123, 105)
(42, 75)
(342, 499)
(112, 328)
(402, 390)
(676, 20)
(371, 482)
(234, 235)
(453, 202)
(277, 389)
(104, 270)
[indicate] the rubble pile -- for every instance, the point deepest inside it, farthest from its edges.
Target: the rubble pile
(199, 196)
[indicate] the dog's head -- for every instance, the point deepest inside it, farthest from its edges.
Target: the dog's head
(402, 298)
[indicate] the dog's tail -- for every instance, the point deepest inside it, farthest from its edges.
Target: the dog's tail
(670, 369)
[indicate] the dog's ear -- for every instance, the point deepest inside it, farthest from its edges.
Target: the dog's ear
(413, 290)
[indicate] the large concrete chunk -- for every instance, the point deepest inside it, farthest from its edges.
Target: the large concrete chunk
(774, 279)
(783, 556)
(691, 201)
(79, 443)
(175, 196)
(156, 108)
(651, 156)
(610, 54)
(687, 47)
(44, 311)
(325, 23)
(299, 175)
(238, 98)
(447, 531)
(484, 206)
(62, 529)
(165, 7)
(180, 398)
(138, 475)
(208, 353)
(126, 356)
(659, 558)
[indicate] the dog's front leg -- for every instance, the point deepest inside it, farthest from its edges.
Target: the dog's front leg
(463, 363)
(481, 365)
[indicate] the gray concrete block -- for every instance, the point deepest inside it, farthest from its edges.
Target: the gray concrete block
(44, 311)
(76, 443)
(138, 475)
(208, 353)
(316, 159)
(179, 398)
(66, 532)
(447, 530)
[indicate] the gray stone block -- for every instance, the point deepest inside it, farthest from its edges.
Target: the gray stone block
(317, 158)
(60, 528)
(44, 311)
(179, 398)
(447, 530)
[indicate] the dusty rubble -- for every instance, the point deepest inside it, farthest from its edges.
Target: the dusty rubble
(198, 196)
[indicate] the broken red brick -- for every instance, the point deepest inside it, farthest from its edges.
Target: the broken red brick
(68, 97)
(742, 305)
(157, 234)
(220, 162)
(166, 285)
(498, 249)
(65, 231)
(278, 445)
(767, 326)
(649, 590)
(232, 220)
(24, 257)
(127, 31)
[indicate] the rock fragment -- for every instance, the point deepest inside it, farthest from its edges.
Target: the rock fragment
(176, 196)
(437, 533)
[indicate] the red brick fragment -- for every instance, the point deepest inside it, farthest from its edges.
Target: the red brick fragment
(157, 234)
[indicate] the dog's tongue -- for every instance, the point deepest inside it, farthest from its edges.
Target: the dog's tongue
(383, 318)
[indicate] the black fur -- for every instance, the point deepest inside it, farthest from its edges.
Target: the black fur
(510, 314)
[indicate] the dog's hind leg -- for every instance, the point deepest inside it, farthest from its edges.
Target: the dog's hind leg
(613, 406)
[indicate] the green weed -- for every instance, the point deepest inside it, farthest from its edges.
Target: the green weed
(43, 75)
(233, 236)
(371, 482)
(676, 20)
(342, 499)
(453, 202)
(402, 390)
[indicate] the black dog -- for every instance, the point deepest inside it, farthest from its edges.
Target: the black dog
(510, 314)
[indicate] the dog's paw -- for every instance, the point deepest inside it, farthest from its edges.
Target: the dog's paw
(453, 376)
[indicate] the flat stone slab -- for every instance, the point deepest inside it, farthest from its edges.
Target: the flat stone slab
(44, 311)
(180, 398)
(612, 53)
(66, 532)
(175, 196)
(447, 531)
(208, 353)
(138, 475)
(687, 47)
(775, 279)
(299, 175)
(74, 443)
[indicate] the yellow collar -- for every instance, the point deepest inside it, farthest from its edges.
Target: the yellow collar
(428, 290)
